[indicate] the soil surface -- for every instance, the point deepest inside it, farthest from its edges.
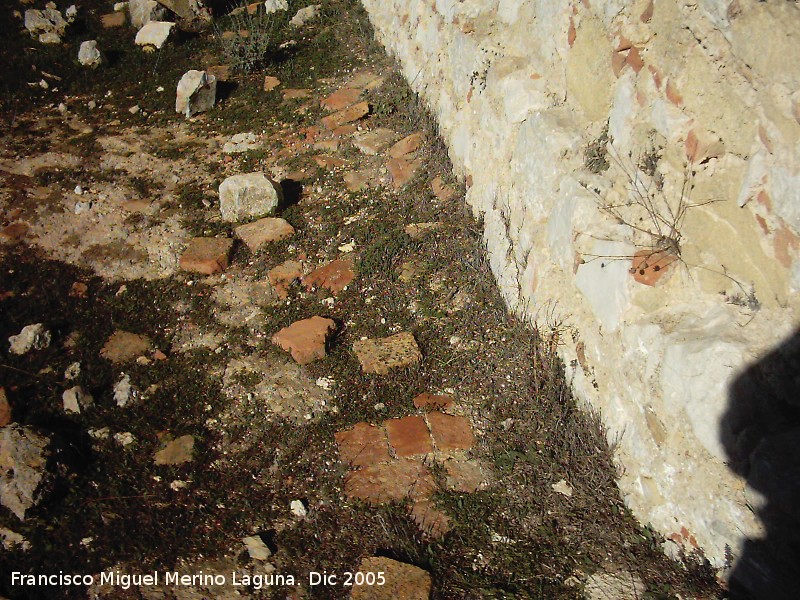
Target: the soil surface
(335, 389)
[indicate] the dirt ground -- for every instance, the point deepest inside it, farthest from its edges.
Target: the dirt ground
(201, 431)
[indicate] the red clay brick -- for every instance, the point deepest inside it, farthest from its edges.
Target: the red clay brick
(430, 520)
(392, 480)
(363, 445)
(334, 276)
(450, 432)
(408, 436)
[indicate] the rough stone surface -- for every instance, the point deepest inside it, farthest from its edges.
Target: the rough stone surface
(206, 256)
(196, 92)
(601, 586)
(144, 11)
(123, 346)
(410, 143)
(176, 452)
(382, 355)
(75, 399)
(375, 141)
(241, 142)
(270, 83)
(639, 358)
(341, 99)
(403, 581)
(306, 340)
(247, 196)
(23, 458)
(402, 170)
(257, 234)
(304, 15)
(282, 276)
(89, 55)
(32, 337)
(154, 34)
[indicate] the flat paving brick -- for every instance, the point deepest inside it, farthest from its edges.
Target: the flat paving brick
(409, 436)
(282, 276)
(450, 432)
(341, 98)
(392, 480)
(384, 354)
(259, 233)
(334, 276)
(363, 445)
(348, 115)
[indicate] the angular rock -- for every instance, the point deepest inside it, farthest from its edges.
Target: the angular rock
(23, 460)
(271, 6)
(450, 432)
(258, 233)
(601, 586)
(206, 256)
(306, 340)
(348, 115)
(241, 142)
(441, 190)
(362, 445)
(76, 398)
(154, 34)
(124, 392)
(144, 11)
(197, 92)
(381, 355)
(391, 480)
(48, 24)
(5, 408)
(356, 181)
(256, 547)
(304, 15)
(335, 276)
(374, 142)
(270, 83)
(176, 452)
(32, 337)
(247, 196)
(192, 14)
(408, 436)
(407, 145)
(89, 55)
(123, 346)
(403, 581)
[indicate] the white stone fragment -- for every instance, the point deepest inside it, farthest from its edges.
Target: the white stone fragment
(89, 55)
(154, 33)
(32, 337)
(241, 142)
(76, 398)
(563, 488)
(298, 508)
(304, 15)
(197, 92)
(271, 6)
(256, 547)
(124, 439)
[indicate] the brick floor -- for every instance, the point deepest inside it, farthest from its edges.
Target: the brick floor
(430, 520)
(363, 445)
(348, 115)
(450, 432)
(408, 436)
(427, 401)
(391, 480)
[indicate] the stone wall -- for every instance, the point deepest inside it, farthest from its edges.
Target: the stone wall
(636, 168)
